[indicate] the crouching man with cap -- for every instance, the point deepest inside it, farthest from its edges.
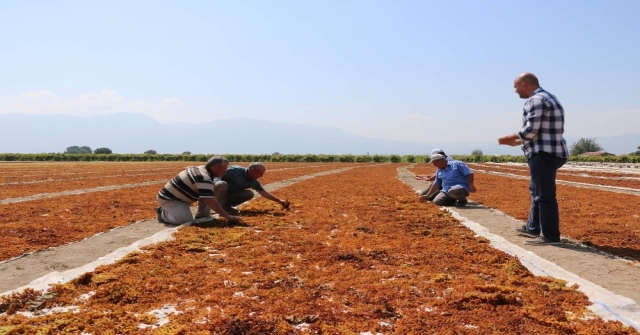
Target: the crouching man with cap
(456, 180)
(430, 178)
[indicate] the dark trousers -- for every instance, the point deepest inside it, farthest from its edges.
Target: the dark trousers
(543, 215)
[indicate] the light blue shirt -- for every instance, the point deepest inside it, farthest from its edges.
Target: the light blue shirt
(454, 174)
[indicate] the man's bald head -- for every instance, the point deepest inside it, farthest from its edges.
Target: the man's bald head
(525, 84)
(256, 170)
(529, 78)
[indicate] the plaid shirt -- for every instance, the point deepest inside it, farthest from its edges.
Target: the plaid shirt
(543, 125)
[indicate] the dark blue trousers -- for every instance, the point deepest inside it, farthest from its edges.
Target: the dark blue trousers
(543, 215)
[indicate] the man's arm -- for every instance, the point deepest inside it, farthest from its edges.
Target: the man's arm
(284, 203)
(213, 204)
(427, 177)
(472, 187)
(532, 120)
(432, 190)
(512, 140)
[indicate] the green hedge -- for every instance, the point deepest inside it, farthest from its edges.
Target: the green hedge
(57, 157)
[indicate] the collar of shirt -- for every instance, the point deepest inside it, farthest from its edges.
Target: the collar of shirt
(538, 90)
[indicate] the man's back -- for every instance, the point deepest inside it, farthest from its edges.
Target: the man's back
(237, 179)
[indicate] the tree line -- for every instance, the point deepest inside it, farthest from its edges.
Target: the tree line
(294, 158)
(84, 153)
(575, 149)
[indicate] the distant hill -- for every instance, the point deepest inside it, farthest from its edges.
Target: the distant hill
(135, 133)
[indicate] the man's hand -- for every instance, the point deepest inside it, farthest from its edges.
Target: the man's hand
(233, 219)
(429, 177)
(285, 204)
(511, 140)
(472, 188)
(423, 197)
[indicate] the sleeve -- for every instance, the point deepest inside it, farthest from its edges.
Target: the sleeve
(257, 186)
(437, 181)
(205, 190)
(532, 120)
(464, 169)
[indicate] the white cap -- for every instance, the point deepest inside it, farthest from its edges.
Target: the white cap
(436, 151)
(436, 157)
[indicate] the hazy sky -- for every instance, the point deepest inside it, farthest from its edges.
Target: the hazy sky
(405, 70)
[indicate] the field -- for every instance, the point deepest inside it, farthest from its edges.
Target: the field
(356, 254)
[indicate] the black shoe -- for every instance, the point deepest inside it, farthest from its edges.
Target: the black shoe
(462, 203)
(159, 214)
(522, 231)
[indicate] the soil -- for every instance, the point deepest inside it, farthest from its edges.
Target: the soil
(619, 276)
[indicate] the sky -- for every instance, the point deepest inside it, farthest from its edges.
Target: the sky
(422, 71)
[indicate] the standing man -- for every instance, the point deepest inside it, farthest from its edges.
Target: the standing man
(234, 187)
(456, 180)
(546, 151)
(193, 184)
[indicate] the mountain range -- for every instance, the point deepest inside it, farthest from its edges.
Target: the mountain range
(135, 133)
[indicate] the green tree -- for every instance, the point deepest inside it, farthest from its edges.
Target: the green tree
(584, 145)
(395, 159)
(477, 152)
(103, 151)
(78, 150)
(636, 153)
(72, 150)
(187, 153)
(150, 152)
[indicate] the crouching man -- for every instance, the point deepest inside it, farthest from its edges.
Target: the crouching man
(235, 187)
(195, 183)
(456, 180)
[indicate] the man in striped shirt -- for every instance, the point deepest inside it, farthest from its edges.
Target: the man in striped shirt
(193, 184)
(546, 151)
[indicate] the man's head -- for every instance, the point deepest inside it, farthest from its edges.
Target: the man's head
(217, 166)
(438, 151)
(256, 170)
(439, 161)
(525, 84)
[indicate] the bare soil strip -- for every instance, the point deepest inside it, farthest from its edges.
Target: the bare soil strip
(82, 191)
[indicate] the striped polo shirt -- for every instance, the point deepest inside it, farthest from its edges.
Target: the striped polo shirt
(194, 183)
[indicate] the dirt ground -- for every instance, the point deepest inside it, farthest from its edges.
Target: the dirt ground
(618, 276)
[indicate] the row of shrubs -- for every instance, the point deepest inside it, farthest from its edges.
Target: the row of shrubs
(58, 157)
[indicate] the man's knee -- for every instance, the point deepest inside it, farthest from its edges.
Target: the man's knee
(178, 216)
(443, 200)
(237, 198)
(458, 193)
(220, 186)
(243, 196)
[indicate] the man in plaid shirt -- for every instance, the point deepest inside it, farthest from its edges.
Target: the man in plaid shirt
(546, 151)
